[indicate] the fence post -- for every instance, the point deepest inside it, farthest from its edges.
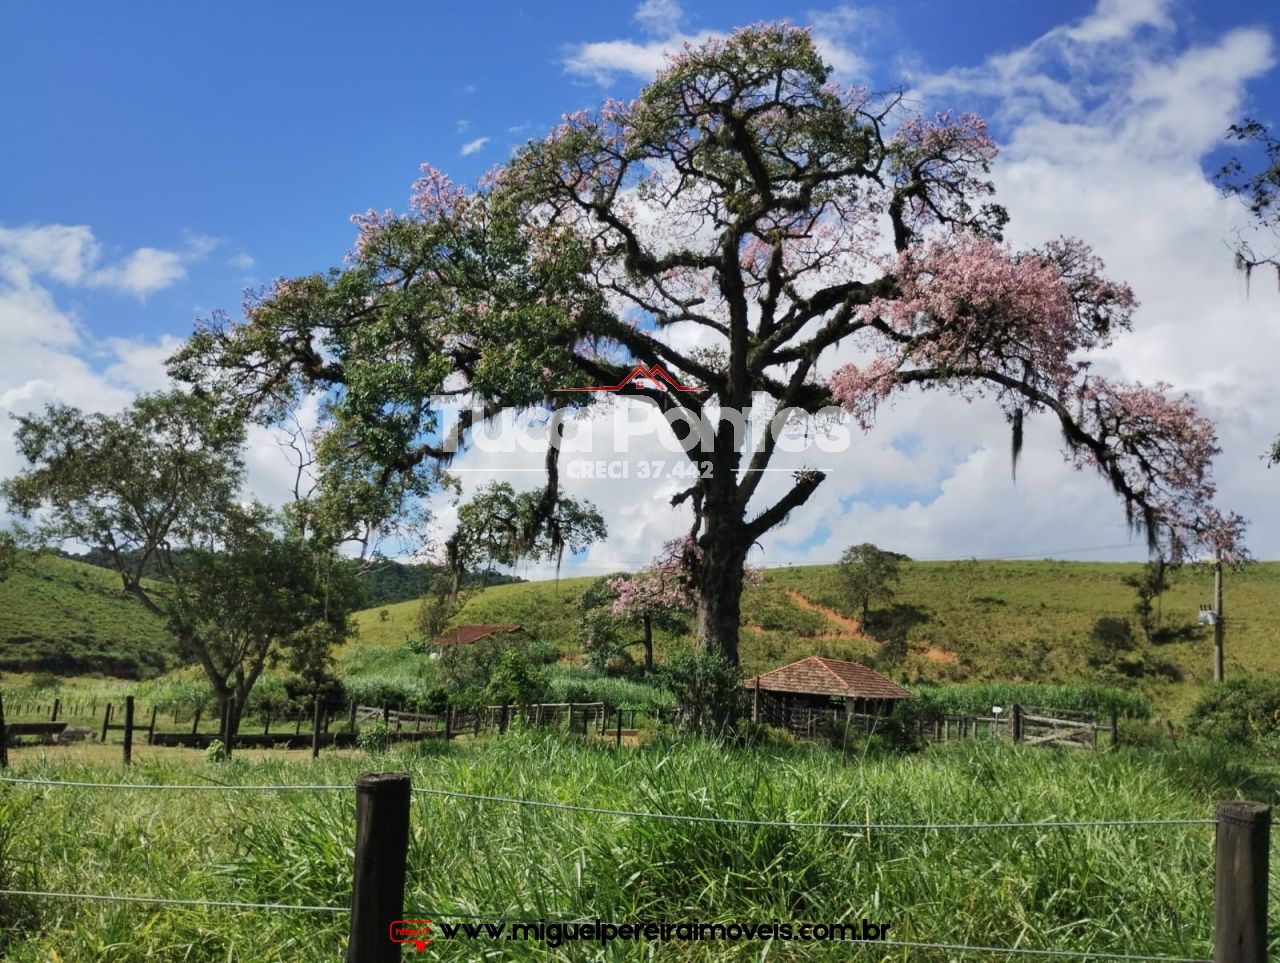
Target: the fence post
(151, 732)
(57, 704)
(4, 739)
(351, 717)
(128, 730)
(1115, 728)
(106, 719)
(448, 723)
(1240, 882)
(1016, 723)
(382, 843)
(617, 739)
(195, 721)
(315, 729)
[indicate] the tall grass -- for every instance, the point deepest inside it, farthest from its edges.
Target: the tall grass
(1146, 889)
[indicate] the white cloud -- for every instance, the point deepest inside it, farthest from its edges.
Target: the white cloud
(242, 260)
(70, 254)
(144, 272)
(473, 146)
(836, 32)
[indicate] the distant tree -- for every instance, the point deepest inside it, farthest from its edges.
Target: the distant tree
(156, 488)
(1149, 585)
(8, 554)
(1112, 636)
(868, 574)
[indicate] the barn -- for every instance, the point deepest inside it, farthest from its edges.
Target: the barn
(796, 694)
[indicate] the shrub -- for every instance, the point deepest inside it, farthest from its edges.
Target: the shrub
(707, 688)
(1242, 711)
(216, 752)
(374, 737)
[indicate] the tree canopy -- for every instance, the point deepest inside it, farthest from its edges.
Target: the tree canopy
(156, 488)
(735, 224)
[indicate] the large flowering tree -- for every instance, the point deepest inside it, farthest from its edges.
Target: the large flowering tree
(734, 224)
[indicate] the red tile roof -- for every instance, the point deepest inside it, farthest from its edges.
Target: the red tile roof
(831, 677)
(470, 634)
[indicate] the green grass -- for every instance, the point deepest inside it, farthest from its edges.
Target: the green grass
(71, 618)
(1021, 621)
(1110, 889)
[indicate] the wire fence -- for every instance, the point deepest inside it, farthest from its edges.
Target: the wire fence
(634, 814)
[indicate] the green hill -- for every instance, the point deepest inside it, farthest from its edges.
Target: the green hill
(949, 621)
(65, 617)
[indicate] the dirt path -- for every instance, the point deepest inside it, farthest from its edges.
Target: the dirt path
(852, 627)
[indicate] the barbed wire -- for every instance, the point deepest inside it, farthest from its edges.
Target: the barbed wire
(790, 824)
(169, 901)
(189, 787)
(628, 813)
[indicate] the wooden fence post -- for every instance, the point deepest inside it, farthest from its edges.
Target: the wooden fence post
(382, 843)
(128, 730)
(4, 739)
(151, 732)
(195, 721)
(755, 701)
(106, 719)
(57, 704)
(1115, 728)
(1016, 723)
(315, 729)
(569, 727)
(448, 723)
(351, 717)
(617, 740)
(1240, 882)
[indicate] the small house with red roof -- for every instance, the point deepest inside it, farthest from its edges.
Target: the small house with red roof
(471, 634)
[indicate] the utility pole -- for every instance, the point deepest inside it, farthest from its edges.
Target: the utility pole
(1219, 627)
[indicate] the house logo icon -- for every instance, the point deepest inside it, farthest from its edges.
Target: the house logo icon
(653, 378)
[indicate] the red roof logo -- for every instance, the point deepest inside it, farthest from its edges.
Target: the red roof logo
(654, 378)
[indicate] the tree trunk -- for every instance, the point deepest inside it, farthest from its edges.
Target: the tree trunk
(648, 644)
(720, 595)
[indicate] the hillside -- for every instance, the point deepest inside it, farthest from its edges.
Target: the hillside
(949, 620)
(66, 617)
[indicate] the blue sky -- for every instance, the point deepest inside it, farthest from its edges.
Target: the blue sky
(201, 148)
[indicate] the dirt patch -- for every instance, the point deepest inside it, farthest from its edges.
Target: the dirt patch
(852, 627)
(934, 654)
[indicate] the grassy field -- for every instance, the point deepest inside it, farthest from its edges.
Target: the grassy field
(1116, 889)
(959, 621)
(71, 618)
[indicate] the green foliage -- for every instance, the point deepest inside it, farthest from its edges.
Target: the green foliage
(707, 689)
(516, 678)
(933, 702)
(567, 683)
(1242, 711)
(868, 574)
(216, 752)
(500, 526)
(374, 737)
(1150, 585)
